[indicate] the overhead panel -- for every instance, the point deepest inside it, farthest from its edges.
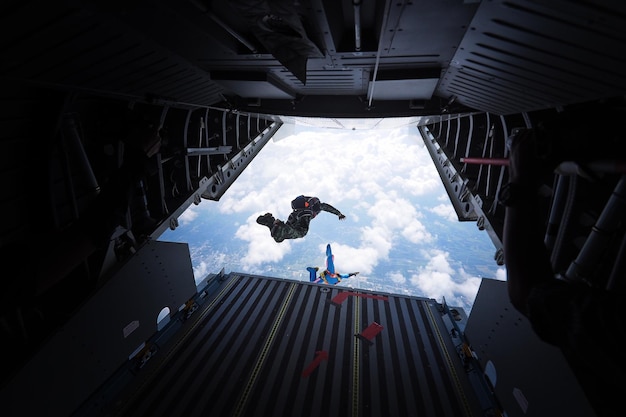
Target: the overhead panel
(71, 47)
(524, 56)
(404, 89)
(424, 31)
(407, 84)
(251, 84)
(347, 81)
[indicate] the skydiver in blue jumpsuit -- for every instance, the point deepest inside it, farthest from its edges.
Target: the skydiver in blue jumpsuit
(328, 275)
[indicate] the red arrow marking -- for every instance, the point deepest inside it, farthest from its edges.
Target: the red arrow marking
(343, 296)
(371, 331)
(320, 355)
(375, 297)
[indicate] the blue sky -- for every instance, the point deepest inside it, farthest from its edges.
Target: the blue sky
(400, 231)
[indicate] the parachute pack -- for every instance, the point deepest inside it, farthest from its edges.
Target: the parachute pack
(311, 204)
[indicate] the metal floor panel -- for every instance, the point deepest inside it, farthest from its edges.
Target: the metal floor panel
(267, 346)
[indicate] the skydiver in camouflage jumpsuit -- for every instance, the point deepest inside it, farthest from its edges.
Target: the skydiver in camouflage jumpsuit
(297, 224)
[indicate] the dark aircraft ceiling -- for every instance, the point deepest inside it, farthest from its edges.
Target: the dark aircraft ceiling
(324, 58)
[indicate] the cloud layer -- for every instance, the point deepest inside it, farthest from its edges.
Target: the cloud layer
(385, 183)
(375, 173)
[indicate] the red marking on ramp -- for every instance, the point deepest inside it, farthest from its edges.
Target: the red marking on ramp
(371, 331)
(320, 355)
(343, 296)
(375, 297)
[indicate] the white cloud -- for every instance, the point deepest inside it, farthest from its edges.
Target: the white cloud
(261, 247)
(396, 277)
(438, 279)
(467, 288)
(382, 180)
(415, 232)
(377, 239)
(201, 270)
(399, 215)
(188, 215)
(501, 274)
(350, 259)
(389, 164)
(446, 211)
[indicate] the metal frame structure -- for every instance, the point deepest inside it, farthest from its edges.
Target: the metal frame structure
(117, 116)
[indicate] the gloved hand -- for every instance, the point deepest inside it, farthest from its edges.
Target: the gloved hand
(341, 217)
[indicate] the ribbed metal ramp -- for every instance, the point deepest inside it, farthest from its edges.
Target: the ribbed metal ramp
(270, 347)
